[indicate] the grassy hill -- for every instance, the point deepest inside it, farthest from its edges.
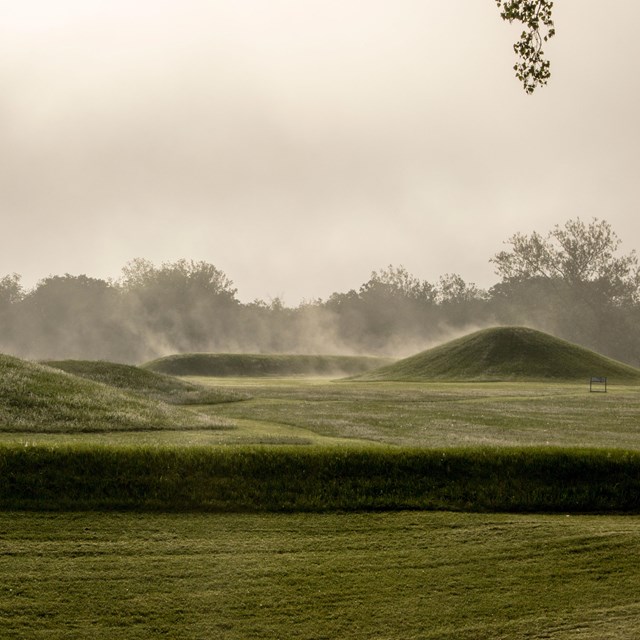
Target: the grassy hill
(143, 381)
(505, 354)
(35, 398)
(255, 365)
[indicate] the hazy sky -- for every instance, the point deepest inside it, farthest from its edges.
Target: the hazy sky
(300, 144)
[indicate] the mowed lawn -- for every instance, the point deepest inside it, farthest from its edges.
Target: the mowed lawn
(403, 575)
(335, 576)
(308, 411)
(436, 414)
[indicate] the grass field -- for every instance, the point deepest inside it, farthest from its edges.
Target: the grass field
(310, 411)
(493, 446)
(355, 577)
(438, 414)
(389, 575)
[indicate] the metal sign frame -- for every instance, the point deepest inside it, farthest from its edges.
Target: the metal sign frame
(598, 381)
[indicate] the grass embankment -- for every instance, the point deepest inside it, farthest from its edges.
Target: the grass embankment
(506, 354)
(149, 383)
(285, 479)
(35, 398)
(392, 576)
(255, 365)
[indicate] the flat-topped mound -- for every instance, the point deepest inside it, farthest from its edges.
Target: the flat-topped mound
(35, 398)
(256, 365)
(506, 353)
(158, 386)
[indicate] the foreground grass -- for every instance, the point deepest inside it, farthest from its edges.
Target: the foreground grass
(287, 479)
(355, 577)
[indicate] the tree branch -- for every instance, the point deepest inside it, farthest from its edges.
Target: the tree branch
(532, 69)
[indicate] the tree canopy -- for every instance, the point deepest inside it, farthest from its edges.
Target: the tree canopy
(575, 253)
(202, 277)
(574, 282)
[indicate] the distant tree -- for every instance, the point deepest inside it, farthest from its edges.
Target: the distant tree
(532, 69)
(70, 317)
(574, 283)
(179, 306)
(11, 293)
(11, 290)
(460, 303)
(452, 289)
(397, 282)
(139, 274)
(392, 305)
(579, 255)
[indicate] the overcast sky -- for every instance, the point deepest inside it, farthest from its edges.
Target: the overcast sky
(300, 144)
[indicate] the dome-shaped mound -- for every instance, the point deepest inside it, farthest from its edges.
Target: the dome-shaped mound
(157, 386)
(36, 398)
(259, 365)
(506, 353)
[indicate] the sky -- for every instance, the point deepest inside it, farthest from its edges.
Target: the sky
(298, 146)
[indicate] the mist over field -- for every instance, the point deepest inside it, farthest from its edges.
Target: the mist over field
(574, 283)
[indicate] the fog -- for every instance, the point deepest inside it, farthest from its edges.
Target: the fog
(300, 150)
(298, 146)
(186, 306)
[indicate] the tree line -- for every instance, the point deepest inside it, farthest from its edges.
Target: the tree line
(573, 283)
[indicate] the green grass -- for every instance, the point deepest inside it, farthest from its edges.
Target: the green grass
(254, 365)
(506, 353)
(392, 569)
(439, 414)
(318, 479)
(401, 576)
(313, 412)
(149, 383)
(36, 399)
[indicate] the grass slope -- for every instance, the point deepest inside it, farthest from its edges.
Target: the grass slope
(506, 354)
(35, 398)
(146, 382)
(255, 365)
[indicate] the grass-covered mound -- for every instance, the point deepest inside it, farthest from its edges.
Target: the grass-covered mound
(149, 383)
(255, 365)
(35, 398)
(506, 354)
(286, 479)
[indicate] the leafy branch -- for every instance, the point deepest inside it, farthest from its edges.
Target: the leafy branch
(532, 69)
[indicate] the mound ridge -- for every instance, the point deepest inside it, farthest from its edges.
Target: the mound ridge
(256, 365)
(158, 386)
(505, 354)
(35, 398)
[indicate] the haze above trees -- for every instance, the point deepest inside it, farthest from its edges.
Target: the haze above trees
(573, 282)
